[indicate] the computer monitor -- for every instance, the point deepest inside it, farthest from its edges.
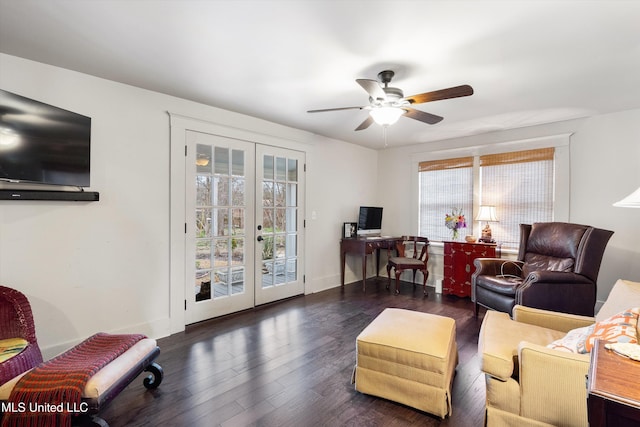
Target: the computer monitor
(370, 221)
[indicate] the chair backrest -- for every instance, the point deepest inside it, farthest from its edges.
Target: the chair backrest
(413, 242)
(16, 317)
(561, 246)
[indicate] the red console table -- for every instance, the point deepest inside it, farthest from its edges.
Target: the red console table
(458, 265)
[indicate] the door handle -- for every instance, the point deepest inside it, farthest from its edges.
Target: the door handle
(259, 239)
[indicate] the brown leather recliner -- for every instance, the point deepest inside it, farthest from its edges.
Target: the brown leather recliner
(556, 269)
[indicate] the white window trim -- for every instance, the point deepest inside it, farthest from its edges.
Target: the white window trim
(562, 169)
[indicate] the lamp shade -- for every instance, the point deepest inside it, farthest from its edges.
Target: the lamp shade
(385, 116)
(631, 201)
(487, 213)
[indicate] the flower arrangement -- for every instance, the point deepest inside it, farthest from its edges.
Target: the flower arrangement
(454, 221)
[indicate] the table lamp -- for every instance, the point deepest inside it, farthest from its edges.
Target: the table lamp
(488, 214)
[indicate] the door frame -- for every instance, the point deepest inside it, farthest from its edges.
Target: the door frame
(179, 125)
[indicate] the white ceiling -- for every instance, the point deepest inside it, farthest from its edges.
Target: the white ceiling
(529, 62)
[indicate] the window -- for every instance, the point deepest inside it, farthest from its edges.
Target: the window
(520, 184)
(444, 184)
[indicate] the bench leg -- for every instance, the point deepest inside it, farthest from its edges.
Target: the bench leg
(157, 374)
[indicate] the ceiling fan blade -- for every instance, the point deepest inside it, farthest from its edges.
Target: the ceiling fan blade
(335, 109)
(373, 88)
(437, 95)
(429, 118)
(367, 122)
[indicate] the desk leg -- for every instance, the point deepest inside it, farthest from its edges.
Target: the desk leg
(343, 256)
(364, 272)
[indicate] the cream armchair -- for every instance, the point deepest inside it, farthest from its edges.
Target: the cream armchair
(528, 384)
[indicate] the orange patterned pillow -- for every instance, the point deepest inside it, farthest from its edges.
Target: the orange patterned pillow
(618, 328)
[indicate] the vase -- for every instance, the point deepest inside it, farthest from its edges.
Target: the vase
(454, 234)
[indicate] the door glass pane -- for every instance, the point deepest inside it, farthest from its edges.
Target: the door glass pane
(292, 195)
(292, 242)
(280, 220)
(237, 280)
(221, 282)
(221, 156)
(203, 254)
(237, 191)
(281, 168)
(237, 163)
(220, 191)
(292, 170)
(292, 221)
(203, 159)
(267, 194)
(280, 223)
(267, 220)
(267, 248)
(203, 286)
(268, 167)
(221, 252)
(280, 194)
(220, 222)
(279, 249)
(237, 248)
(203, 222)
(203, 190)
(237, 218)
(292, 269)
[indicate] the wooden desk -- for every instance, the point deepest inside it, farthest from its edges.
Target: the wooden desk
(613, 392)
(364, 246)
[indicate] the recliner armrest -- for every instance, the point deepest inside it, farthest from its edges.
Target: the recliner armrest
(549, 276)
(550, 319)
(558, 291)
(497, 266)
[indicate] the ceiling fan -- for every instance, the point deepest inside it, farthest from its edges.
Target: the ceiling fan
(387, 104)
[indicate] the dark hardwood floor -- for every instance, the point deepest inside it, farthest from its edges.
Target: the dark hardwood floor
(290, 364)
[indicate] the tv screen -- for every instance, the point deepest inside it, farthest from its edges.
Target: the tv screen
(370, 219)
(43, 144)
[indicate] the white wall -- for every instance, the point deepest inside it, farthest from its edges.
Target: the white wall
(605, 167)
(105, 266)
(341, 178)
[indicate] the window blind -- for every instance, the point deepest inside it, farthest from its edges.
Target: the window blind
(444, 185)
(521, 186)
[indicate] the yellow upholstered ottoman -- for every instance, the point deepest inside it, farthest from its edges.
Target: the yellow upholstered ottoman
(408, 357)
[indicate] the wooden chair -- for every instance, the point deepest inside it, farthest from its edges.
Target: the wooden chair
(418, 260)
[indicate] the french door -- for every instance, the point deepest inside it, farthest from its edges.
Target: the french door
(279, 223)
(243, 228)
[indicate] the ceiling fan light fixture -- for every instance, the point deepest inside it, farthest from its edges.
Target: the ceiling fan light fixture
(385, 116)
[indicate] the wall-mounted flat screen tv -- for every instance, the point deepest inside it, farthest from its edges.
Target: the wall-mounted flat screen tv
(43, 144)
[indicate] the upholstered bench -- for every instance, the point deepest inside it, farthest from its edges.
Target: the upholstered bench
(408, 357)
(110, 380)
